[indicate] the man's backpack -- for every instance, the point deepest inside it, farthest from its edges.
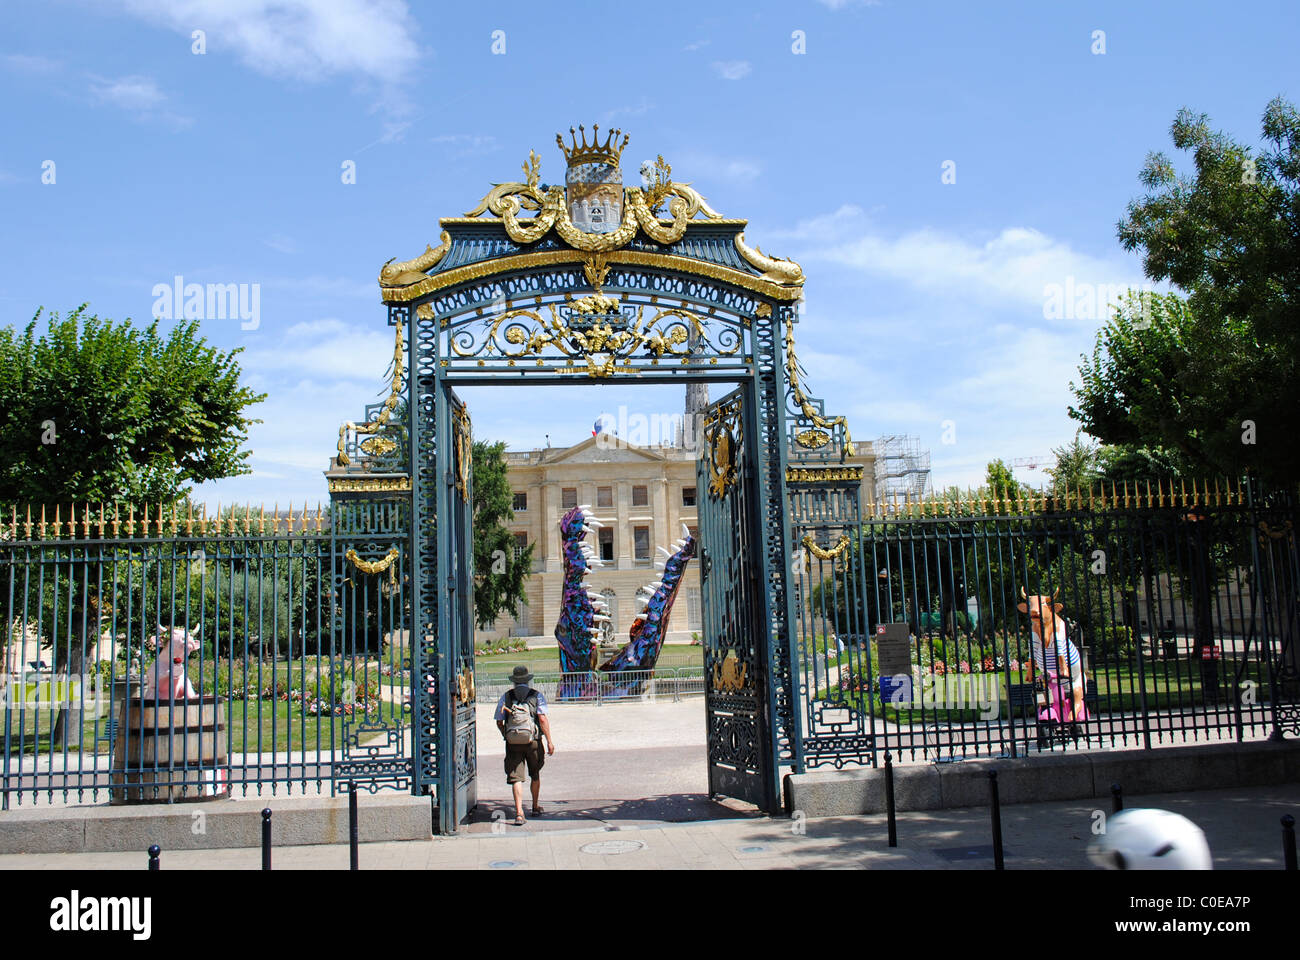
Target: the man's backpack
(521, 725)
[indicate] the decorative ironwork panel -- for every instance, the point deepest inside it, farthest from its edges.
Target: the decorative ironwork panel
(833, 648)
(735, 650)
(365, 680)
(457, 768)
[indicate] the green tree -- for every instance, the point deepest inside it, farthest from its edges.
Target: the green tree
(1210, 378)
(1078, 466)
(94, 410)
(499, 574)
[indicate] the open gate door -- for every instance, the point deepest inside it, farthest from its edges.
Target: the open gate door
(735, 637)
(457, 767)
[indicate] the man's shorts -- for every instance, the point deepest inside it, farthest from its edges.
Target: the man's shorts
(529, 755)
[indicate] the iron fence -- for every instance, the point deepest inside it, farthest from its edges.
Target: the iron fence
(1174, 616)
(289, 664)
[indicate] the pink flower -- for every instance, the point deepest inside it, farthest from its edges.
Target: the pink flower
(939, 667)
(965, 667)
(1015, 664)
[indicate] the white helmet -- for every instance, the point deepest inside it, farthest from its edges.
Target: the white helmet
(1151, 840)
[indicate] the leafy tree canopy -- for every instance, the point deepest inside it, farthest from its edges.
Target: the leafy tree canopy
(93, 410)
(499, 573)
(1207, 381)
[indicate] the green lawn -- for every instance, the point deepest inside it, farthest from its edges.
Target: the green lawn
(282, 726)
(1117, 692)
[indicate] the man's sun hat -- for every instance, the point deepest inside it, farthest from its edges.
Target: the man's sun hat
(520, 674)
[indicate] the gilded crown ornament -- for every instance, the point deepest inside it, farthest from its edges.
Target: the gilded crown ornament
(595, 152)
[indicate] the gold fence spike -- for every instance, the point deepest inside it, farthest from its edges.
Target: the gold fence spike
(174, 524)
(13, 522)
(101, 519)
(41, 529)
(261, 520)
(58, 527)
(1182, 486)
(318, 518)
(27, 524)
(189, 517)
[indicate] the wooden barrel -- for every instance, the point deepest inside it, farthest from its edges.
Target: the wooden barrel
(169, 752)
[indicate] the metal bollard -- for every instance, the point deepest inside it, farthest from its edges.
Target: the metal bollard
(155, 851)
(889, 800)
(266, 838)
(997, 820)
(1288, 842)
(1116, 798)
(353, 832)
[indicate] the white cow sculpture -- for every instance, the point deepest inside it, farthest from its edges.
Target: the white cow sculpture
(166, 679)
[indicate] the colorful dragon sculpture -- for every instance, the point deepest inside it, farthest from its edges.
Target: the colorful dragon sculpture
(581, 610)
(651, 624)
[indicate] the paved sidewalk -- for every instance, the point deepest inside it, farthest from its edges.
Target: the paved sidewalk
(1241, 825)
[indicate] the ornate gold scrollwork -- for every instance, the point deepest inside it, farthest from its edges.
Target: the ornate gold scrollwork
(390, 404)
(802, 401)
(813, 439)
(823, 554)
(729, 675)
(464, 449)
(525, 334)
(505, 200)
(822, 474)
(723, 434)
(378, 446)
(465, 692)
(370, 485)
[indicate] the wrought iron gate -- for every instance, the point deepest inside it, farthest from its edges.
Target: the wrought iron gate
(457, 767)
(735, 642)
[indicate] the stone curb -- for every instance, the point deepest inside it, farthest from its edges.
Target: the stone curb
(1055, 777)
(214, 825)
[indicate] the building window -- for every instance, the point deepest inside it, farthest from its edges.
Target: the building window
(606, 539)
(521, 500)
(695, 532)
(521, 544)
(641, 542)
(640, 496)
(569, 498)
(693, 620)
(604, 496)
(688, 496)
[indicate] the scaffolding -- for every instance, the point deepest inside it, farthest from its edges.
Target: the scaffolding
(902, 468)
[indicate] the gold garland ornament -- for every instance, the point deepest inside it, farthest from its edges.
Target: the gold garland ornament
(823, 554)
(372, 566)
(381, 418)
(802, 402)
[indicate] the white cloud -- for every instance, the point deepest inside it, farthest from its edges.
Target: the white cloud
(732, 69)
(300, 39)
(135, 93)
(280, 243)
(31, 64)
(1016, 265)
(467, 144)
(841, 4)
(707, 169)
(696, 45)
(326, 349)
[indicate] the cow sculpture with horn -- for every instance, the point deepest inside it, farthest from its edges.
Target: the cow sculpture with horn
(1056, 657)
(167, 678)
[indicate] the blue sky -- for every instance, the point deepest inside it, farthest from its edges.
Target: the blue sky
(925, 299)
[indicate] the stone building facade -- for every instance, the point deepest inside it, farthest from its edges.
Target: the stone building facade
(644, 493)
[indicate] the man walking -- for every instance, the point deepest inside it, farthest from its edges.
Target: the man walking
(521, 718)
